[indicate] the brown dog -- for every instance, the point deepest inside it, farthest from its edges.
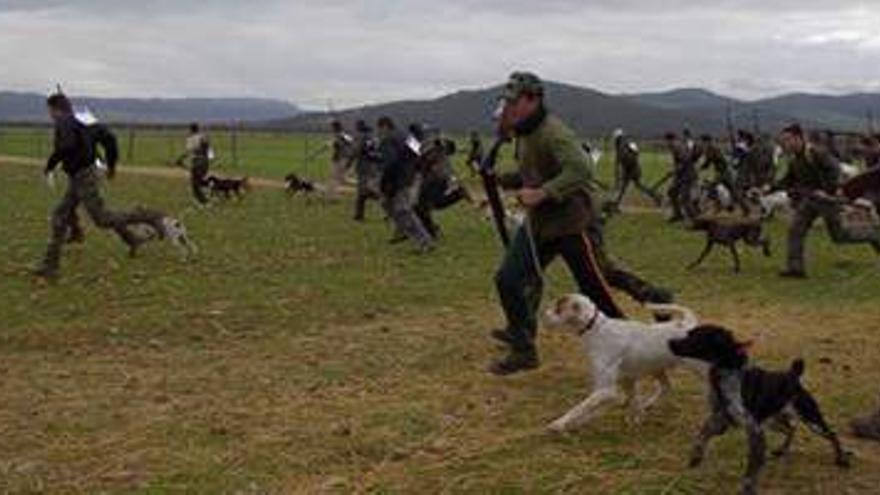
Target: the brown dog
(729, 233)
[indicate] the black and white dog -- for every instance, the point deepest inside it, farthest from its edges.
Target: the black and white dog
(742, 395)
(295, 184)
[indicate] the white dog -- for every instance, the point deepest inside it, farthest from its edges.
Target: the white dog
(621, 352)
(770, 203)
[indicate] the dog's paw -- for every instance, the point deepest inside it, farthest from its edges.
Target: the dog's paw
(695, 460)
(779, 453)
(558, 426)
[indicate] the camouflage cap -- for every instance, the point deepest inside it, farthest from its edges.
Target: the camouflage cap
(521, 83)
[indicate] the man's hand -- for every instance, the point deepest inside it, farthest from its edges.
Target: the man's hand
(531, 197)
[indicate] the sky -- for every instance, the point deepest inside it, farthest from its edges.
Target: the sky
(341, 53)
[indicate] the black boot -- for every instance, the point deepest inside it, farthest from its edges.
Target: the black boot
(515, 362)
(793, 274)
(867, 427)
(45, 272)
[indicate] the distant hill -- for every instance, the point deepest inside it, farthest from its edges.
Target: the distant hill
(849, 112)
(845, 112)
(683, 99)
(590, 112)
(30, 107)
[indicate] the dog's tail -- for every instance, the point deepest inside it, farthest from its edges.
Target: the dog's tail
(797, 368)
(685, 315)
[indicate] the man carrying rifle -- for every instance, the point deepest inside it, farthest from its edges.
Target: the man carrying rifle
(553, 184)
(812, 181)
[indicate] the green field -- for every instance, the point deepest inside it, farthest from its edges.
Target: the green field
(302, 354)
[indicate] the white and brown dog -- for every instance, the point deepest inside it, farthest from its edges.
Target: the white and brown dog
(621, 352)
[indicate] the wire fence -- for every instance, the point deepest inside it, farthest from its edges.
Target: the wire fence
(237, 150)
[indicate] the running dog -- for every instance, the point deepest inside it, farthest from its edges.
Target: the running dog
(770, 204)
(728, 233)
(226, 187)
(742, 395)
(294, 185)
(621, 352)
(174, 231)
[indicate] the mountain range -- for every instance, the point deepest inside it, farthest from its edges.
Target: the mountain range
(589, 111)
(30, 108)
(595, 113)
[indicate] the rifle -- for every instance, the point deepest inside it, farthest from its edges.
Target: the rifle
(490, 185)
(731, 134)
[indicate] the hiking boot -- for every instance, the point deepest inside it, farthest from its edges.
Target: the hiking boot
(867, 427)
(793, 274)
(659, 295)
(397, 239)
(502, 335)
(424, 249)
(515, 362)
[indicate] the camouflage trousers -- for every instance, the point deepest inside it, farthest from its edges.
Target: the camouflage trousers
(806, 213)
(83, 188)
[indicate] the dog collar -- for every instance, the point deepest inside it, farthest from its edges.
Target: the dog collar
(590, 324)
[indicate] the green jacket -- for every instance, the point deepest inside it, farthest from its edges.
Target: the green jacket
(551, 158)
(812, 170)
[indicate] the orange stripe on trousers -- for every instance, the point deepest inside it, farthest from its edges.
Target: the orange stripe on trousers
(597, 269)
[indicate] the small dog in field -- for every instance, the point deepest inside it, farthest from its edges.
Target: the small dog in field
(621, 352)
(742, 395)
(294, 185)
(176, 232)
(227, 188)
(728, 233)
(173, 230)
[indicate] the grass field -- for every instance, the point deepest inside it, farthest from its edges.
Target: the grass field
(302, 354)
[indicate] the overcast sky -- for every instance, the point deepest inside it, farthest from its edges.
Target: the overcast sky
(350, 52)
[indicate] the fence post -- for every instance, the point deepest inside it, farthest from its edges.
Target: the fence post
(169, 137)
(130, 153)
(233, 137)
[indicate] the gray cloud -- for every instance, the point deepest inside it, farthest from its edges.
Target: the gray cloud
(352, 52)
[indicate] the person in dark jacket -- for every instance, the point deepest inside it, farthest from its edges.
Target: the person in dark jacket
(684, 178)
(399, 183)
(107, 153)
(627, 162)
(74, 150)
(812, 183)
